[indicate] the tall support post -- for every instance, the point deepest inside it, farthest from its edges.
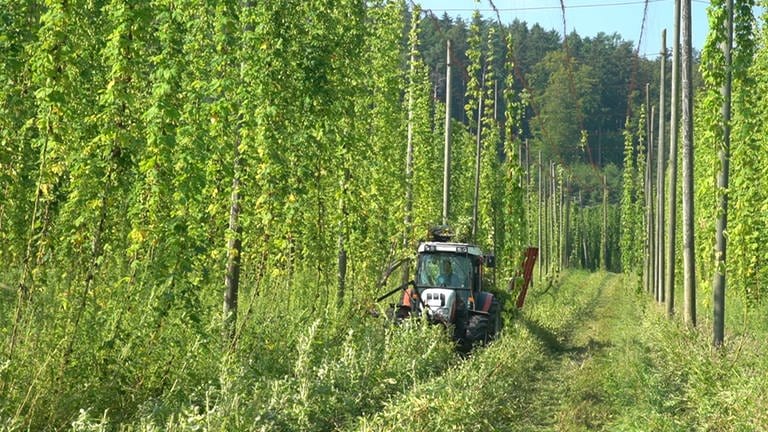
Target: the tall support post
(341, 287)
(478, 159)
(604, 232)
(545, 218)
(496, 103)
(650, 234)
(568, 238)
(408, 219)
(648, 116)
(553, 225)
(561, 211)
(722, 186)
(660, 173)
(646, 192)
(672, 188)
(408, 222)
(538, 213)
(689, 257)
(551, 218)
(447, 149)
(234, 251)
(555, 221)
(520, 156)
(585, 256)
(529, 222)
(527, 163)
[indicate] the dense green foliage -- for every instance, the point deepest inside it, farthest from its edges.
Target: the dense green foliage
(747, 228)
(746, 231)
(126, 129)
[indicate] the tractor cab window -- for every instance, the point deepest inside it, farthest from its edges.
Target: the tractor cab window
(444, 269)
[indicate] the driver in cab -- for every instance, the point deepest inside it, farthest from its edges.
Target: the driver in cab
(447, 277)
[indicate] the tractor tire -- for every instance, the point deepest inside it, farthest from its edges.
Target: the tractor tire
(460, 324)
(401, 313)
(478, 329)
(495, 320)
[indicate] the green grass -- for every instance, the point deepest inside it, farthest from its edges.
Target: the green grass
(589, 353)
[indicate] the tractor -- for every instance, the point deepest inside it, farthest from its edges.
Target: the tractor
(449, 288)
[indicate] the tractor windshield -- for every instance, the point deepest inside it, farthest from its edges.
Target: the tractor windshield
(444, 269)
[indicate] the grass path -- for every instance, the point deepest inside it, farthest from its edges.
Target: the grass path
(566, 392)
(589, 354)
(545, 373)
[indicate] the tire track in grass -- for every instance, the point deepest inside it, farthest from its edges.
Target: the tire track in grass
(566, 394)
(527, 380)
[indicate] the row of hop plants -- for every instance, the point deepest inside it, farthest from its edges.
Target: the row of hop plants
(746, 226)
(118, 129)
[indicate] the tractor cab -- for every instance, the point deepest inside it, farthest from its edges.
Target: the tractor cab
(448, 288)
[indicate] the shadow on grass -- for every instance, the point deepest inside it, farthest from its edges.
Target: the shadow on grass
(557, 342)
(548, 338)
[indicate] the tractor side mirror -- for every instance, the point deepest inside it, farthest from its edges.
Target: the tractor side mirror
(489, 261)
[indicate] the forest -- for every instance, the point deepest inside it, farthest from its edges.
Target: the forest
(199, 198)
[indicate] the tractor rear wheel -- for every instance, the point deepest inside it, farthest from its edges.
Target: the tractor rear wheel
(478, 329)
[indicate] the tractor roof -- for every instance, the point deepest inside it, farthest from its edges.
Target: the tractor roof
(459, 248)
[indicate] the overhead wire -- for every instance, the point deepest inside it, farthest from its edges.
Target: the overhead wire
(519, 76)
(636, 61)
(454, 59)
(576, 6)
(571, 85)
(631, 87)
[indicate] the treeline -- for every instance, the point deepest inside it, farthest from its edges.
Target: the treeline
(574, 85)
(574, 95)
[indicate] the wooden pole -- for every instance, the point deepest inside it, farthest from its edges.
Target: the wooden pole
(408, 222)
(568, 236)
(660, 173)
(674, 124)
(234, 251)
(447, 149)
(650, 235)
(646, 191)
(342, 243)
(722, 185)
(604, 233)
(585, 259)
(529, 221)
(689, 257)
(478, 155)
(538, 212)
(552, 219)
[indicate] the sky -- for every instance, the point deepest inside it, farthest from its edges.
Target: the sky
(588, 17)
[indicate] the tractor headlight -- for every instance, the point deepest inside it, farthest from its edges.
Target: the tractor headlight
(439, 303)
